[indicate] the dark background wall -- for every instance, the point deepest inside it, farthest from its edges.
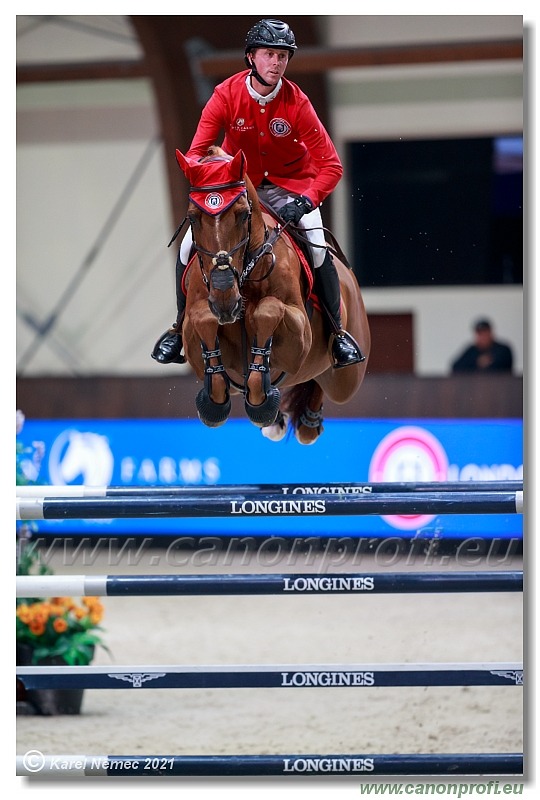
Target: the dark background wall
(390, 395)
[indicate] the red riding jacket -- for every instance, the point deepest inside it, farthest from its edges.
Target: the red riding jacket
(283, 139)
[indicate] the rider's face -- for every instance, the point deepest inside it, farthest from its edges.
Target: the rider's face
(269, 63)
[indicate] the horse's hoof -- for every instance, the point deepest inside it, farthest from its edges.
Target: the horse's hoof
(309, 426)
(277, 431)
(212, 414)
(266, 413)
(309, 438)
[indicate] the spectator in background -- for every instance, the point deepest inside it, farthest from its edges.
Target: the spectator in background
(486, 354)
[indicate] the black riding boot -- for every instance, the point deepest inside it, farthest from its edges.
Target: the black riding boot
(168, 348)
(345, 350)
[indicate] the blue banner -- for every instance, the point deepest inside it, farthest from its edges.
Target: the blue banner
(184, 452)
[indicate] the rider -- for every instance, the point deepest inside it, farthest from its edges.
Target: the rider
(291, 161)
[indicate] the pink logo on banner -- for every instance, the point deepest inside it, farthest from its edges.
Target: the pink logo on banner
(408, 455)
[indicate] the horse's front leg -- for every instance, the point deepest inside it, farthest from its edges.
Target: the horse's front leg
(213, 401)
(263, 399)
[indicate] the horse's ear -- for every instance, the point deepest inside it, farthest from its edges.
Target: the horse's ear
(183, 162)
(238, 165)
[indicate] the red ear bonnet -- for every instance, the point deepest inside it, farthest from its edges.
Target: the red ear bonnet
(216, 183)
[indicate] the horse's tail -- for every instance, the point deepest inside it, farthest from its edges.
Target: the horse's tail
(296, 400)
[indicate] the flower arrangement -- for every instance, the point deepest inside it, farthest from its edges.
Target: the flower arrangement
(59, 627)
(56, 626)
(28, 457)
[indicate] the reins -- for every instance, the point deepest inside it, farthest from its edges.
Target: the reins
(223, 259)
(333, 248)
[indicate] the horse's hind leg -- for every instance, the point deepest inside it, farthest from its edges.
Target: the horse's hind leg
(309, 426)
(305, 404)
(276, 432)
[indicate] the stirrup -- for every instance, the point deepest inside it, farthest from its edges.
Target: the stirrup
(168, 348)
(345, 350)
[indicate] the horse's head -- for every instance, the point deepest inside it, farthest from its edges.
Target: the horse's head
(220, 215)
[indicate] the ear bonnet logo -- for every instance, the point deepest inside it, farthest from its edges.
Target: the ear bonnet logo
(214, 200)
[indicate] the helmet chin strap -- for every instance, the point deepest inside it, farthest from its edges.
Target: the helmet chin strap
(255, 74)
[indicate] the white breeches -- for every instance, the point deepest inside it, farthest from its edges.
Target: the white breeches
(275, 197)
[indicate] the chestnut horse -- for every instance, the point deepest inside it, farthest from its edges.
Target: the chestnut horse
(248, 325)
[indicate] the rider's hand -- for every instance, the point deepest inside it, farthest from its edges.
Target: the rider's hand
(293, 212)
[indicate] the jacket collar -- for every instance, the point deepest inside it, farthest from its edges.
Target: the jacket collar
(263, 99)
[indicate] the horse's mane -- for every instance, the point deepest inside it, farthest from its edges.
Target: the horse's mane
(213, 151)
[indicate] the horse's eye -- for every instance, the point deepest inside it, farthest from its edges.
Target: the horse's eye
(243, 215)
(193, 218)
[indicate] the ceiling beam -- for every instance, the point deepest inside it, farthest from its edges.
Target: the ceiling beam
(81, 71)
(321, 59)
(306, 60)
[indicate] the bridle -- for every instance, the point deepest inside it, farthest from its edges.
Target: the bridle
(223, 272)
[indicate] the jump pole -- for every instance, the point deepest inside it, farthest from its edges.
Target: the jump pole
(274, 584)
(244, 505)
(33, 490)
(362, 765)
(249, 676)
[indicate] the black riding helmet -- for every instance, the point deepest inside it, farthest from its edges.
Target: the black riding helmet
(269, 33)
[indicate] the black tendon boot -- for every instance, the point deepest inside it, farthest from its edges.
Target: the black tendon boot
(345, 350)
(168, 348)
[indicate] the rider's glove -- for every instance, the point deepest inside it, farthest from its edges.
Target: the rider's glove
(293, 212)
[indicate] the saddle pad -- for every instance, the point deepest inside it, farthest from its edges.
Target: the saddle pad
(308, 271)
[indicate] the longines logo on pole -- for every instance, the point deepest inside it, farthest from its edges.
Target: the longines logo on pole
(364, 583)
(328, 764)
(327, 679)
(299, 506)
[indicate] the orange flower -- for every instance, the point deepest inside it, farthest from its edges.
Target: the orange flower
(39, 613)
(24, 613)
(79, 613)
(91, 602)
(96, 617)
(60, 625)
(37, 627)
